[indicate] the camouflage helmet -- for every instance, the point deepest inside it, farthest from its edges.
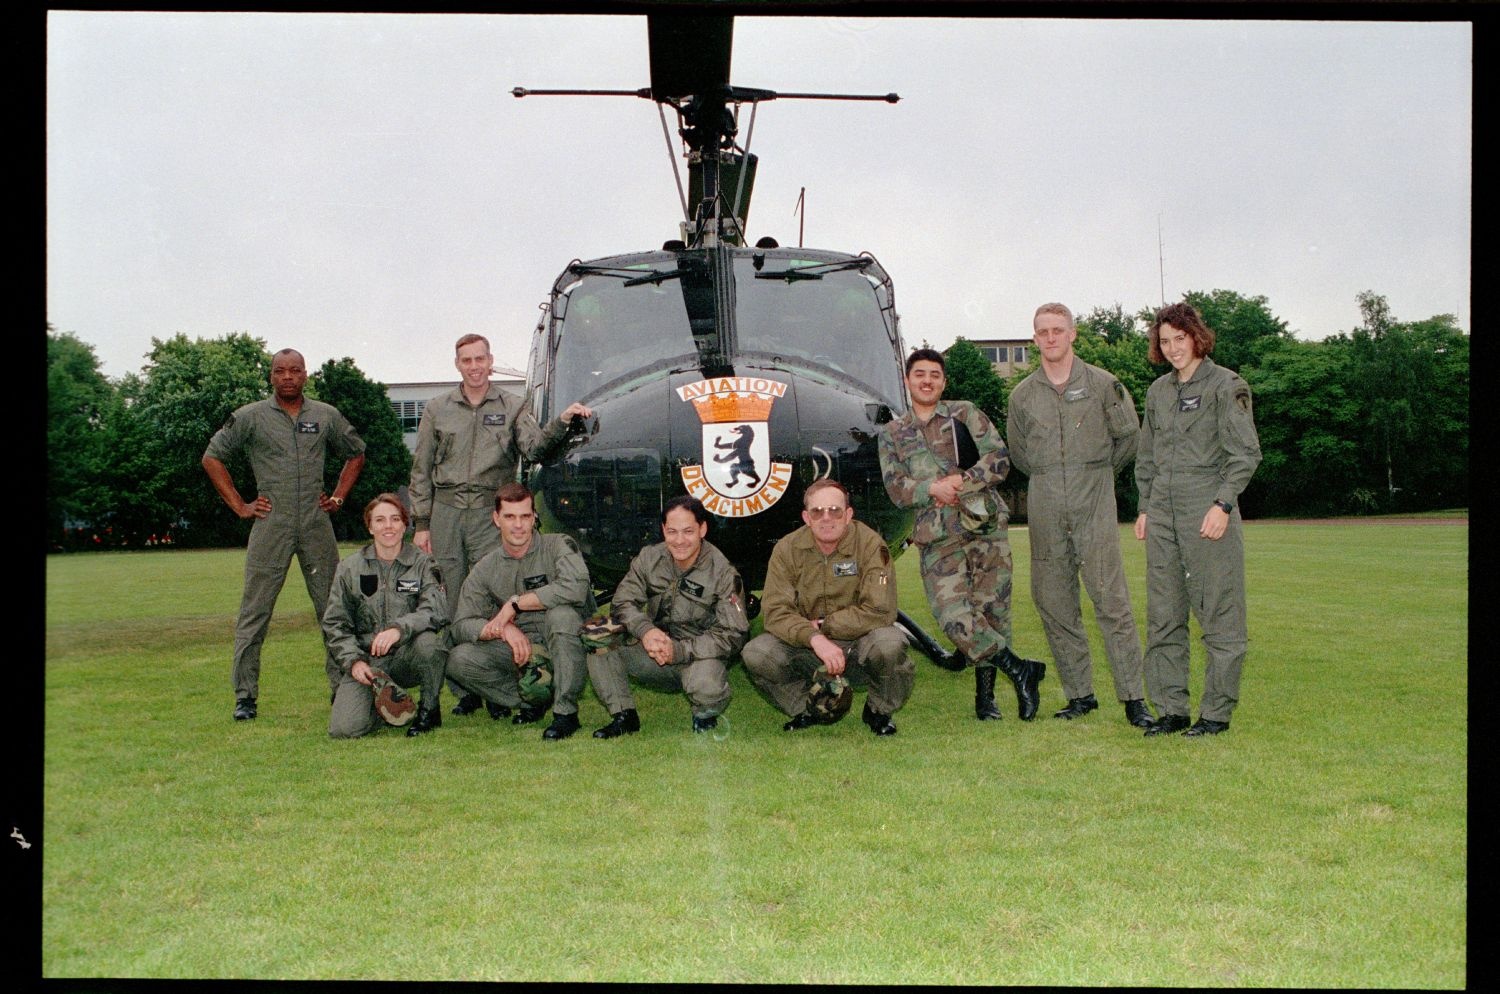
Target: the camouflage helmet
(536, 678)
(829, 697)
(393, 704)
(601, 634)
(979, 508)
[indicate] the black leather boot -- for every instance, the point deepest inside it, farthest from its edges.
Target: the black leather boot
(623, 723)
(426, 720)
(1137, 714)
(984, 694)
(1026, 674)
(467, 704)
(1080, 706)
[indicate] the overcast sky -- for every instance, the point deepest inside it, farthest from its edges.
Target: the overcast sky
(365, 185)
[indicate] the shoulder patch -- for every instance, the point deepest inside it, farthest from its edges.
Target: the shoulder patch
(572, 545)
(1119, 389)
(885, 556)
(1242, 398)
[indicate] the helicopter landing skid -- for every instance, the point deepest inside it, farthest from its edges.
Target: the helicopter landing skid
(954, 661)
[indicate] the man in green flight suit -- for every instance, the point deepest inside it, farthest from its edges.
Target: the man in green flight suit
(1072, 427)
(533, 588)
(938, 457)
(830, 606)
(469, 443)
(285, 437)
(685, 604)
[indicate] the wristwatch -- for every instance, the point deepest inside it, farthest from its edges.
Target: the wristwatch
(337, 501)
(1224, 506)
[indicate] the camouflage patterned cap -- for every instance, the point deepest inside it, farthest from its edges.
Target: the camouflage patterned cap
(393, 704)
(979, 508)
(601, 634)
(536, 678)
(829, 697)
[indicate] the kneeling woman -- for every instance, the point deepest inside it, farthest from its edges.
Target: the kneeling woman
(384, 612)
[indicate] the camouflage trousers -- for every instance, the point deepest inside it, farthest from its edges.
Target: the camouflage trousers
(417, 663)
(968, 588)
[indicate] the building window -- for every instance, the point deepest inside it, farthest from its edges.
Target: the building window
(409, 412)
(991, 354)
(1018, 355)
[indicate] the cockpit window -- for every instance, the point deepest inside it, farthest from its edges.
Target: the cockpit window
(610, 330)
(833, 321)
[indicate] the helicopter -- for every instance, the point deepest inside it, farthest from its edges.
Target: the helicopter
(735, 373)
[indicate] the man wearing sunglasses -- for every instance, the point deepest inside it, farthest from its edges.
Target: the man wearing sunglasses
(830, 609)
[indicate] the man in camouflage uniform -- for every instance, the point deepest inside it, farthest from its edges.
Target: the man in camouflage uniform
(830, 606)
(1198, 450)
(1072, 427)
(285, 437)
(533, 588)
(684, 602)
(966, 564)
(385, 611)
(469, 442)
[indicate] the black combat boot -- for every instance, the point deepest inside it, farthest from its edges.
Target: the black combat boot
(984, 694)
(467, 704)
(880, 724)
(426, 720)
(1080, 706)
(1137, 714)
(529, 713)
(622, 723)
(1025, 674)
(244, 709)
(562, 726)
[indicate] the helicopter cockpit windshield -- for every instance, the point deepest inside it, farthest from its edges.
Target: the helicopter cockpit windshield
(819, 315)
(619, 326)
(614, 327)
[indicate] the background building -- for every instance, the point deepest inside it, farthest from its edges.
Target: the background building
(408, 399)
(1006, 354)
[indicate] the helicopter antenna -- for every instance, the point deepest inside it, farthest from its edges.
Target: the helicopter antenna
(1161, 263)
(800, 208)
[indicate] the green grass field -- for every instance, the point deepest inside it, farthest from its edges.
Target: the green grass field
(1321, 842)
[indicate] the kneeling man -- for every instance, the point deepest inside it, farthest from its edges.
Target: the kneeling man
(685, 604)
(830, 604)
(533, 588)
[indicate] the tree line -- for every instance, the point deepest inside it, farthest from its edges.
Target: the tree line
(1375, 419)
(124, 456)
(1368, 421)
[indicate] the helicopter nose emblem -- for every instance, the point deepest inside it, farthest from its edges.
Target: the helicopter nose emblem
(736, 477)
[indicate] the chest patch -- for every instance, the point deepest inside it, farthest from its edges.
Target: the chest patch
(847, 568)
(368, 584)
(307, 427)
(690, 588)
(1077, 393)
(408, 586)
(1190, 403)
(534, 582)
(494, 420)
